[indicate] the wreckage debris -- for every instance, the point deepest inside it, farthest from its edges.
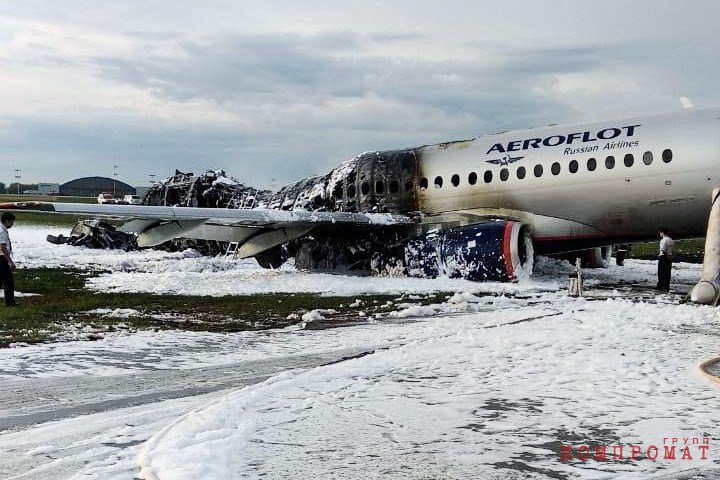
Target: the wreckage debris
(103, 235)
(375, 182)
(213, 189)
(96, 234)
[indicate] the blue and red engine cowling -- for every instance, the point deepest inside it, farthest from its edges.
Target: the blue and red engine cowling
(499, 250)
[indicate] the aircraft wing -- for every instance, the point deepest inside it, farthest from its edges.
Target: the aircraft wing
(255, 229)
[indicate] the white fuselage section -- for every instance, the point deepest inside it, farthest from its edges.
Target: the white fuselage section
(619, 179)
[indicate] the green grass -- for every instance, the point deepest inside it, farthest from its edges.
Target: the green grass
(64, 297)
(687, 250)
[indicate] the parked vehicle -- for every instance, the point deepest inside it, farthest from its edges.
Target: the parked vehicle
(106, 198)
(132, 200)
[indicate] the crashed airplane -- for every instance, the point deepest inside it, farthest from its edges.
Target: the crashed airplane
(477, 209)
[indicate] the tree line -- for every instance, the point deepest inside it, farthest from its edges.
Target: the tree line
(13, 187)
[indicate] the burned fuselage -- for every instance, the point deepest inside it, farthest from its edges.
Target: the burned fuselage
(374, 182)
(213, 189)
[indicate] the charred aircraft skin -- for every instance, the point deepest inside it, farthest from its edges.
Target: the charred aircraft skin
(213, 189)
(374, 182)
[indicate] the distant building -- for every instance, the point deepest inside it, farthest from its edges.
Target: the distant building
(94, 186)
(48, 188)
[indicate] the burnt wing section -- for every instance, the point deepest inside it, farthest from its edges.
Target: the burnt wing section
(382, 182)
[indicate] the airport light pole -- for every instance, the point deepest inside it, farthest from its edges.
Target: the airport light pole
(115, 174)
(17, 179)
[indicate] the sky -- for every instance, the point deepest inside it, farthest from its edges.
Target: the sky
(274, 90)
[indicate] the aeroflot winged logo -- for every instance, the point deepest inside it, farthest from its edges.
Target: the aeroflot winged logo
(505, 161)
(557, 140)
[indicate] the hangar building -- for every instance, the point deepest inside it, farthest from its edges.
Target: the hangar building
(93, 186)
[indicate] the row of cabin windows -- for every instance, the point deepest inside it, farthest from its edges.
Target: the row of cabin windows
(393, 187)
(555, 168)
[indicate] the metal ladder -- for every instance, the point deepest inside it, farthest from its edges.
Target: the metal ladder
(232, 250)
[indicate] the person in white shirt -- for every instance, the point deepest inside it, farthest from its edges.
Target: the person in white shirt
(665, 260)
(7, 220)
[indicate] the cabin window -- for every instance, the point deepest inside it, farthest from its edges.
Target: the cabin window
(488, 176)
(438, 182)
(408, 185)
(455, 180)
(365, 188)
(555, 169)
(521, 172)
(573, 166)
(667, 156)
(472, 178)
(610, 162)
(504, 174)
(647, 158)
(394, 186)
(591, 164)
(538, 170)
(338, 190)
(379, 187)
(629, 160)
(351, 191)
(423, 184)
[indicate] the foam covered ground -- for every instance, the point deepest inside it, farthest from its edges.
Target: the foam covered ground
(479, 386)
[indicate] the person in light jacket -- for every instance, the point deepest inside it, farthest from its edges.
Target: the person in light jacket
(665, 260)
(7, 220)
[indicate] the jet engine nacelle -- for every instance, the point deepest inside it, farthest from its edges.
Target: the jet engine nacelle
(498, 250)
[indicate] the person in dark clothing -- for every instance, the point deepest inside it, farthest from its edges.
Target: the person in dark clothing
(665, 260)
(7, 220)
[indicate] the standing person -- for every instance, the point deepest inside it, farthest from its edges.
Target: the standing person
(7, 220)
(665, 260)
